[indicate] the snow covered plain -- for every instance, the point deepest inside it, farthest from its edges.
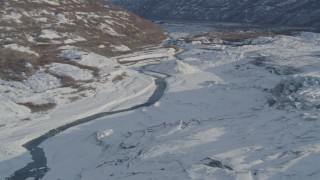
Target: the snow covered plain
(230, 112)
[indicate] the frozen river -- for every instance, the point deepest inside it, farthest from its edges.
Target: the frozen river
(241, 102)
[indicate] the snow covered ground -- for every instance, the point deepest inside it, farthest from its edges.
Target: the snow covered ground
(229, 112)
(115, 87)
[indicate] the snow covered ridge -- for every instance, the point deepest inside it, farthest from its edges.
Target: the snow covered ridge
(34, 31)
(285, 12)
(46, 45)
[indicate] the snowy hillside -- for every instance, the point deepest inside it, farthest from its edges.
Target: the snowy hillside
(49, 48)
(60, 60)
(287, 12)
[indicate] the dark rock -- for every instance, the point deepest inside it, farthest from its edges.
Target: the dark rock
(215, 164)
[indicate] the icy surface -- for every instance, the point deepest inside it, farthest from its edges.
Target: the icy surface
(42, 81)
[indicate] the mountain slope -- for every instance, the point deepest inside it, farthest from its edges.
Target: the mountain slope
(287, 12)
(35, 30)
(58, 52)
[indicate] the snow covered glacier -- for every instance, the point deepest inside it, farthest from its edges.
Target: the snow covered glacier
(245, 109)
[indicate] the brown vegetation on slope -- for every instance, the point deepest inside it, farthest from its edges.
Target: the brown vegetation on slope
(95, 22)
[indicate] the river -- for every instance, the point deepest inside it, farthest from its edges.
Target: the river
(38, 168)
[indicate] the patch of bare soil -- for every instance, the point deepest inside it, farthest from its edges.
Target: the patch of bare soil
(119, 77)
(39, 107)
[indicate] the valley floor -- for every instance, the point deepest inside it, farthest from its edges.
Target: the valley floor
(241, 110)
